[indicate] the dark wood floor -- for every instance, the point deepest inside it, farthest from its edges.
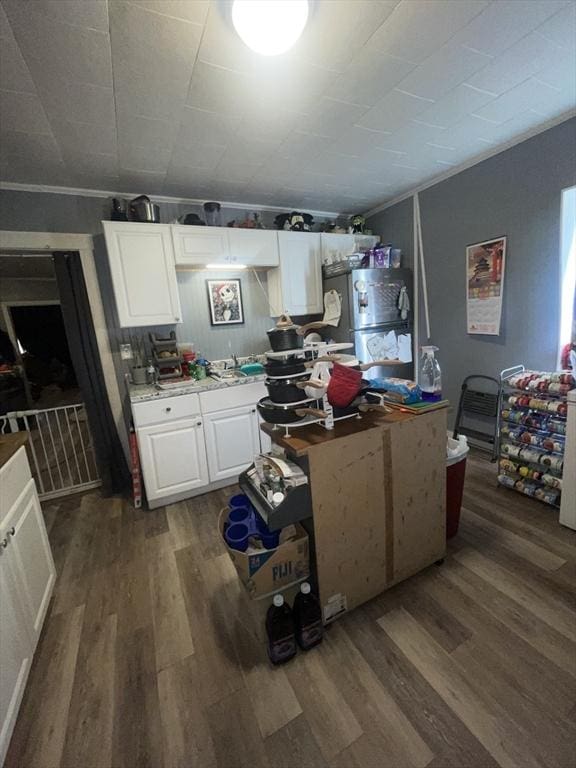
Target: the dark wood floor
(150, 655)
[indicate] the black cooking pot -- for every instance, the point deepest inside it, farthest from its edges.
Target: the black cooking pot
(288, 368)
(284, 414)
(284, 337)
(285, 390)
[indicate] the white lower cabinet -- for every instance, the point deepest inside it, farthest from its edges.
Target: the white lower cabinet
(232, 441)
(173, 458)
(27, 576)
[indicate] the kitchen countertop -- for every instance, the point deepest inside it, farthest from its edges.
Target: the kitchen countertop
(9, 444)
(140, 393)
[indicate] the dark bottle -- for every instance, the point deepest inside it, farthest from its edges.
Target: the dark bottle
(280, 630)
(307, 618)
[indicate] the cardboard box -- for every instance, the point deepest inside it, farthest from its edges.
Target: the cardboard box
(267, 571)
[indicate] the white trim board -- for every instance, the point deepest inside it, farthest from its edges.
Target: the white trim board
(13, 186)
(474, 161)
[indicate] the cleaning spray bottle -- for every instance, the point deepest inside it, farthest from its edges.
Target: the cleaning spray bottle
(430, 375)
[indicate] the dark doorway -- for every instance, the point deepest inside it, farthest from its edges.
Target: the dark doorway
(41, 334)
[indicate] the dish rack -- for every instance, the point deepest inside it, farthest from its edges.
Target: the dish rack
(532, 433)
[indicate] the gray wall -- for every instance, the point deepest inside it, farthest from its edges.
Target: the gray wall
(518, 194)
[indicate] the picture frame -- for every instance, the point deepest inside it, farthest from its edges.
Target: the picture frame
(485, 266)
(225, 301)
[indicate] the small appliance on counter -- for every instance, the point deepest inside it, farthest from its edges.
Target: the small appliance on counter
(142, 209)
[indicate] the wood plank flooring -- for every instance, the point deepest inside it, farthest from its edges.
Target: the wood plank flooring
(152, 655)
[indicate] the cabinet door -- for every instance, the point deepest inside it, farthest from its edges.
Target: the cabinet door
(15, 649)
(300, 273)
(143, 273)
(31, 556)
(336, 247)
(232, 441)
(199, 246)
(173, 458)
(253, 247)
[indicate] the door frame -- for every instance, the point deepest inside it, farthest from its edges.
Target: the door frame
(6, 306)
(47, 242)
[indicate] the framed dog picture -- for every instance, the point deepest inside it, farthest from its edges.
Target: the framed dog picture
(225, 300)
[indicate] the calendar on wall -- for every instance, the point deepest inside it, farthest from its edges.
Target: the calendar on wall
(485, 285)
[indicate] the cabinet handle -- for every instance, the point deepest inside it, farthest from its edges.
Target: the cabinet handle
(11, 532)
(4, 543)
(168, 409)
(198, 423)
(253, 410)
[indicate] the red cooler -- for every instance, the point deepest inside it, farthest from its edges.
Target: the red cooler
(456, 453)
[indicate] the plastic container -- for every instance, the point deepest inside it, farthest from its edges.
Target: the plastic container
(307, 618)
(270, 540)
(456, 453)
(280, 631)
(237, 536)
(212, 214)
(430, 375)
(239, 500)
(240, 515)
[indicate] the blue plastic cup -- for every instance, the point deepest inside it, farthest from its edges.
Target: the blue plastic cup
(240, 500)
(240, 515)
(237, 536)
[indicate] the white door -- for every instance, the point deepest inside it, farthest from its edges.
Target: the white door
(336, 247)
(173, 457)
(253, 247)
(232, 441)
(143, 273)
(31, 556)
(199, 246)
(300, 273)
(15, 647)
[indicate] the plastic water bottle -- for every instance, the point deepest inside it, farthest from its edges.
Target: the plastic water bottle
(430, 375)
(280, 631)
(308, 618)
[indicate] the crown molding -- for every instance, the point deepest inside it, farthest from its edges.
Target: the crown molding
(12, 186)
(474, 161)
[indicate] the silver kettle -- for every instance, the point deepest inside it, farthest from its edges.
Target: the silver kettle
(141, 209)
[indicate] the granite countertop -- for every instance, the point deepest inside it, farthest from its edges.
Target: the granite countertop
(140, 393)
(9, 444)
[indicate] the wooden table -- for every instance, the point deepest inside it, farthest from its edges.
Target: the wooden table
(379, 501)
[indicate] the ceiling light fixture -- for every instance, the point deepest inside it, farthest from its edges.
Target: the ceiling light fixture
(269, 27)
(225, 266)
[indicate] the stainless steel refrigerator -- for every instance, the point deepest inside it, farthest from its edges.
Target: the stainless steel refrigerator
(370, 310)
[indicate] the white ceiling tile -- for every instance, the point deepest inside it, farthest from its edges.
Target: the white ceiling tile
(337, 29)
(304, 146)
(502, 24)
(22, 112)
(329, 117)
(395, 109)
(150, 43)
(55, 51)
(94, 180)
(235, 171)
(452, 107)
(145, 131)
(222, 47)
(249, 151)
(14, 73)
(217, 90)
(286, 85)
(80, 138)
(79, 103)
(150, 95)
(203, 126)
(183, 176)
(513, 66)
(266, 125)
(134, 158)
(29, 150)
(79, 13)
(561, 27)
(197, 155)
(417, 28)
(443, 71)
(103, 163)
(515, 101)
(143, 182)
(186, 10)
(369, 77)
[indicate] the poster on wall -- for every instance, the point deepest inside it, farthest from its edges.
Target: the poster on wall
(225, 300)
(484, 286)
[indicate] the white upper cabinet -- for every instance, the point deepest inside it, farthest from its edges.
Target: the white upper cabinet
(296, 285)
(253, 247)
(141, 258)
(199, 246)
